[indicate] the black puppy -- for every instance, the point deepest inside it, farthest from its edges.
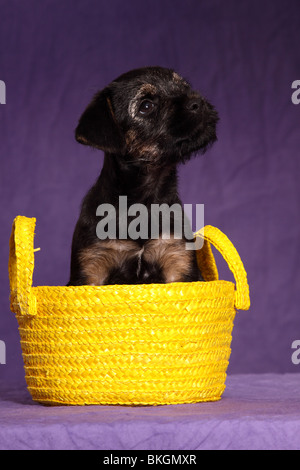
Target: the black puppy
(147, 122)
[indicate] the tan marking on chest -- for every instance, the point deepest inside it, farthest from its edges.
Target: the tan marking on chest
(98, 259)
(171, 255)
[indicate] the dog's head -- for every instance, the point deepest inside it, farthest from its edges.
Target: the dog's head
(149, 116)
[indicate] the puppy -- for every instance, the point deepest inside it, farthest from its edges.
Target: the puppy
(147, 121)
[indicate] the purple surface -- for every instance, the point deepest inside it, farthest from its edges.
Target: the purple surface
(242, 55)
(256, 412)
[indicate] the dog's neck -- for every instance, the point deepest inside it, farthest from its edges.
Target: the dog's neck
(139, 183)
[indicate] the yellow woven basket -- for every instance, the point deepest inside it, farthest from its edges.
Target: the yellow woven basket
(149, 344)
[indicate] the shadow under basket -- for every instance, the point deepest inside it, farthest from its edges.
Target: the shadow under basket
(152, 344)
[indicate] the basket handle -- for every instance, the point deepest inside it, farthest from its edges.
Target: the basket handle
(220, 241)
(20, 266)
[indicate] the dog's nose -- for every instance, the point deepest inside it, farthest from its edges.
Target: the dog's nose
(194, 104)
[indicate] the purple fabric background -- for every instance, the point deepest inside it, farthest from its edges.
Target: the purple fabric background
(244, 56)
(259, 411)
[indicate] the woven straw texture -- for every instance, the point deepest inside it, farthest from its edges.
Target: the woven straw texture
(130, 345)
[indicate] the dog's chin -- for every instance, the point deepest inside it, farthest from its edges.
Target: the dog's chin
(198, 143)
(175, 151)
(178, 153)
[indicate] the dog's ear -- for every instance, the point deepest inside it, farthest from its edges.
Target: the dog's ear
(98, 127)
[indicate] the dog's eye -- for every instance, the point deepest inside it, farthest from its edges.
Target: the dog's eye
(146, 107)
